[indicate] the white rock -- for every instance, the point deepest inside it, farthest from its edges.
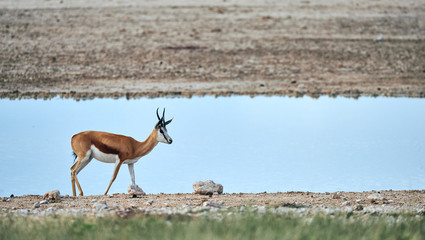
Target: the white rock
(212, 204)
(135, 190)
(261, 209)
(44, 202)
(50, 210)
(100, 206)
(376, 196)
(8, 200)
(36, 205)
(24, 212)
(207, 188)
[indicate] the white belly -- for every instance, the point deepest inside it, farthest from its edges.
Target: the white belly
(129, 161)
(103, 157)
(108, 157)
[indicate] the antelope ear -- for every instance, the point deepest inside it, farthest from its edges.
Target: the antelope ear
(158, 125)
(168, 122)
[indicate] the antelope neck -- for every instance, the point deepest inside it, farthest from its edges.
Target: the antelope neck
(146, 146)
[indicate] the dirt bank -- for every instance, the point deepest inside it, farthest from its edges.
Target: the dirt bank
(126, 49)
(392, 201)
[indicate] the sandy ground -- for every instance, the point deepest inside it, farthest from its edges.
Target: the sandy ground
(375, 201)
(87, 49)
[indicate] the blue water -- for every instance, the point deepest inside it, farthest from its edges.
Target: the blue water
(247, 144)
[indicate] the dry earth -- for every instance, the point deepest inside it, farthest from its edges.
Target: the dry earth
(86, 49)
(375, 201)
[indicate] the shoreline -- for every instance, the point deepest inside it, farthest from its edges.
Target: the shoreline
(18, 95)
(385, 202)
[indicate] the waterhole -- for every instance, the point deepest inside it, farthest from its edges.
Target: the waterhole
(272, 144)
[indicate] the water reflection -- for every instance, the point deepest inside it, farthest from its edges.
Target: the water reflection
(247, 144)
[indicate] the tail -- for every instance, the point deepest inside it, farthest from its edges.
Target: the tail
(75, 156)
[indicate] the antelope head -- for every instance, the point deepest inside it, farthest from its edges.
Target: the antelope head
(162, 129)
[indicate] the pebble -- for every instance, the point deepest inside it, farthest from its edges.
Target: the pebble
(212, 204)
(359, 207)
(101, 210)
(44, 202)
(261, 209)
(8, 200)
(336, 196)
(100, 206)
(36, 205)
(376, 196)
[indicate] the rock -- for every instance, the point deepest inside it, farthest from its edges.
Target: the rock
(212, 204)
(358, 207)
(52, 196)
(100, 206)
(261, 209)
(207, 188)
(346, 203)
(8, 200)
(336, 196)
(149, 203)
(376, 196)
(36, 205)
(135, 190)
(44, 202)
(50, 210)
(421, 212)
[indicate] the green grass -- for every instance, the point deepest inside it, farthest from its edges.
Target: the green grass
(237, 226)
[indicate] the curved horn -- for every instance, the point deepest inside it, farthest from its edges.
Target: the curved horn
(157, 114)
(163, 114)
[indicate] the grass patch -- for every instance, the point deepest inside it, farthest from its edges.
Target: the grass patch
(247, 225)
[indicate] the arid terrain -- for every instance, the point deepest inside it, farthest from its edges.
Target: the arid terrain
(367, 202)
(87, 49)
(132, 49)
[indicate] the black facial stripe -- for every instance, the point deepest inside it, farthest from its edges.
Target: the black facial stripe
(163, 134)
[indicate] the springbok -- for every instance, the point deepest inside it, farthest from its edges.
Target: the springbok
(113, 148)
